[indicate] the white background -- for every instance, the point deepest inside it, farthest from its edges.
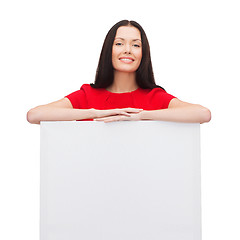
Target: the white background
(48, 49)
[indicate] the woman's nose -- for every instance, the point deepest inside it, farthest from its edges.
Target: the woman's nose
(127, 48)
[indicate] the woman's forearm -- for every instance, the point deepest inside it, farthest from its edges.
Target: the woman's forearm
(190, 114)
(42, 113)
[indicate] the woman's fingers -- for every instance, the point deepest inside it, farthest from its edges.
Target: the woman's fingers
(109, 119)
(127, 111)
(133, 109)
(118, 111)
(131, 117)
(124, 113)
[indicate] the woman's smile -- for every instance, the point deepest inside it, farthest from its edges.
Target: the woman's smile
(126, 60)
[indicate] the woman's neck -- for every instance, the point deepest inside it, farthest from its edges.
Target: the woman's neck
(123, 82)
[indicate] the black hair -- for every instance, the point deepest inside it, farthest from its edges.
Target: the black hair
(105, 71)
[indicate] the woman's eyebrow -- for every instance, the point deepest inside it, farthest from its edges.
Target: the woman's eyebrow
(132, 40)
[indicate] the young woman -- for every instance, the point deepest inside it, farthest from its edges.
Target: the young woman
(124, 87)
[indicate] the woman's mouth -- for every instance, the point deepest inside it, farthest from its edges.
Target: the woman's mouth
(126, 60)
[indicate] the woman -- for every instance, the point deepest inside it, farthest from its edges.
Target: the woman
(124, 87)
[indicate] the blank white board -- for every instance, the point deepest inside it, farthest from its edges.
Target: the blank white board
(126, 180)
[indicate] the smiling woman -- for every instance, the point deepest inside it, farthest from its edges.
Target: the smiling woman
(124, 87)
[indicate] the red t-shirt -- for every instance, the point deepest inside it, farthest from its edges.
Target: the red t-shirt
(147, 99)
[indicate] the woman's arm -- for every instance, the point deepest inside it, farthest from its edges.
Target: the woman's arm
(179, 111)
(62, 110)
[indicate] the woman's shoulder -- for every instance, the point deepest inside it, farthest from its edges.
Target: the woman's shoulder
(157, 93)
(85, 86)
(88, 89)
(153, 91)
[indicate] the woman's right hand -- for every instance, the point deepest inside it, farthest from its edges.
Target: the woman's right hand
(116, 111)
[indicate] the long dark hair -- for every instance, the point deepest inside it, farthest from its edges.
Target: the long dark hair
(105, 71)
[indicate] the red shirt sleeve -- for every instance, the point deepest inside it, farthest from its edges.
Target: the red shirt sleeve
(78, 98)
(160, 99)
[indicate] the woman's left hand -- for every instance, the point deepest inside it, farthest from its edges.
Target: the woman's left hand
(131, 117)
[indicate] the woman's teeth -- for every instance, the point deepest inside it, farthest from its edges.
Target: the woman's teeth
(126, 59)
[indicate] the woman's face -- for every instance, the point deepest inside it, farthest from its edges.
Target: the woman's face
(127, 49)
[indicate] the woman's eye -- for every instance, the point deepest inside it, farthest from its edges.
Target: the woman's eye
(119, 44)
